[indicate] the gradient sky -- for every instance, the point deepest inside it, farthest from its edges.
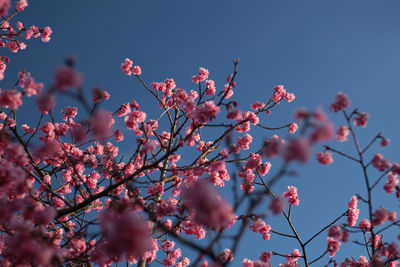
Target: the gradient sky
(315, 48)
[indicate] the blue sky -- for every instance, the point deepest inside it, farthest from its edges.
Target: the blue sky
(315, 48)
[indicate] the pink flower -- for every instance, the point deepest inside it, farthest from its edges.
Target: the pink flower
(342, 133)
(264, 169)
(210, 87)
(126, 234)
(266, 256)
(361, 120)
(379, 163)
(324, 158)
(28, 129)
(207, 112)
(391, 183)
(127, 66)
(10, 98)
(365, 225)
(136, 70)
(208, 207)
(322, 133)
(272, 147)
(301, 114)
(277, 205)
(293, 128)
(118, 135)
(101, 123)
(292, 195)
(21, 4)
(45, 102)
(203, 75)
(155, 189)
(69, 112)
(295, 255)
(380, 216)
(297, 150)
(333, 246)
(335, 232)
(4, 6)
(99, 94)
(257, 105)
(67, 77)
(259, 226)
(29, 85)
(244, 143)
(341, 102)
(149, 147)
(227, 255)
(384, 142)
(254, 161)
(46, 34)
(319, 115)
(353, 212)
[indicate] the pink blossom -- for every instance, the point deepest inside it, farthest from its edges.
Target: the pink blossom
(293, 128)
(264, 169)
(294, 256)
(136, 70)
(301, 114)
(155, 189)
(4, 6)
(101, 123)
(244, 143)
(118, 135)
(353, 212)
(127, 66)
(266, 256)
(379, 163)
(149, 146)
(259, 226)
(208, 207)
(210, 87)
(10, 99)
(297, 150)
(361, 120)
(46, 34)
(365, 225)
(207, 112)
(319, 115)
(380, 216)
(254, 161)
(272, 147)
(342, 133)
(29, 85)
(99, 94)
(277, 205)
(341, 102)
(203, 75)
(322, 133)
(324, 158)
(335, 232)
(333, 246)
(292, 195)
(67, 77)
(28, 129)
(69, 112)
(21, 4)
(257, 105)
(227, 255)
(384, 142)
(125, 234)
(391, 183)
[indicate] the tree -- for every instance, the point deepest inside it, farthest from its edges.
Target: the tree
(68, 197)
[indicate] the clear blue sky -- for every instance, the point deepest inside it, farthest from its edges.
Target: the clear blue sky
(314, 48)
